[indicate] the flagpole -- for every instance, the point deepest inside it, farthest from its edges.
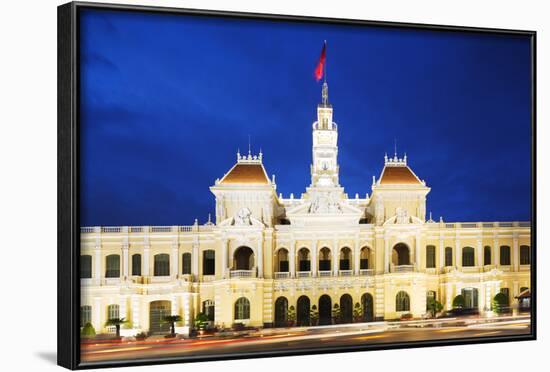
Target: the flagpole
(325, 74)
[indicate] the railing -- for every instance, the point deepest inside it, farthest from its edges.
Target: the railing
(488, 267)
(113, 229)
(325, 273)
(208, 278)
(469, 269)
(303, 274)
(402, 268)
(136, 229)
(161, 228)
(282, 275)
(242, 273)
(524, 267)
(366, 272)
(346, 272)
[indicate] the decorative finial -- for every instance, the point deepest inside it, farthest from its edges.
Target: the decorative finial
(249, 147)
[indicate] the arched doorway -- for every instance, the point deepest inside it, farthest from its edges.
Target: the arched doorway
(302, 313)
(400, 255)
(346, 309)
(368, 307)
(281, 311)
(325, 310)
(158, 310)
(243, 259)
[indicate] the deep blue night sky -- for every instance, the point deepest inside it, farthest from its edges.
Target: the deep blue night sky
(166, 101)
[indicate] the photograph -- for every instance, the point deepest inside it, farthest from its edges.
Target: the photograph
(261, 185)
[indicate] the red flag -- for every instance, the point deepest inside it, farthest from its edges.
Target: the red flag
(320, 69)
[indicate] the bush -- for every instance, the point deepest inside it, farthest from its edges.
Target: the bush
(88, 330)
(358, 312)
(500, 303)
(459, 302)
(406, 316)
(291, 316)
(434, 306)
(314, 315)
(201, 320)
(141, 336)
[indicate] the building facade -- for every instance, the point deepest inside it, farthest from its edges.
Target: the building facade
(265, 253)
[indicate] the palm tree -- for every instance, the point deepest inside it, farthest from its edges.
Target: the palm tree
(172, 319)
(116, 322)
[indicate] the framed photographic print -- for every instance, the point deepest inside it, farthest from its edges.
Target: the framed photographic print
(236, 185)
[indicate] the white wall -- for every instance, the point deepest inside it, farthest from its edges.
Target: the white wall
(28, 174)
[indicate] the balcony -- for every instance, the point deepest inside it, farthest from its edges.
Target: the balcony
(524, 267)
(345, 272)
(242, 274)
(402, 268)
(325, 273)
(470, 269)
(487, 268)
(282, 275)
(366, 272)
(303, 274)
(208, 278)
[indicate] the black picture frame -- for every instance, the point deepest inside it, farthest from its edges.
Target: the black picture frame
(68, 347)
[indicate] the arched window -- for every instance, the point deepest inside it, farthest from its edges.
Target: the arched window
(282, 260)
(468, 257)
(85, 266)
(136, 264)
(208, 309)
(113, 312)
(243, 258)
(209, 262)
(242, 309)
(430, 296)
(304, 264)
(85, 315)
(345, 259)
(400, 255)
(161, 264)
(186, 263)
(113, 266)
(486, 255)
(402, 301)
(524, 255)
(448, 256)
(364, 260)
(324, 259)
(430, 256)
(504, 255)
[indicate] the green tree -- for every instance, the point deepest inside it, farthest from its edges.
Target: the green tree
(358, 312)
(458, 302)
(116, 322)
(500, 303)
(336, 314)
(314, 315)
(291, 316)
(201, 320)
(434, 306)
(88, 330)
(172, 319)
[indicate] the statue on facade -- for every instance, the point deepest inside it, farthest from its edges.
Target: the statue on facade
(402, 216)
(242, 218)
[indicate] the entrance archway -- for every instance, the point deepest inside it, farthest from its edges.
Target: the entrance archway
(281, 312)
(158, 310)
(368, 307)
(346, 309)
(302, 313)
(325, 310)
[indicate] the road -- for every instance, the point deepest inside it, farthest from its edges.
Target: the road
(284, 339)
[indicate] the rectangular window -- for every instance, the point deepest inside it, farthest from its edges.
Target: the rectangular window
(524, 255)
(113, 266)
(283, 266)
(136, 264)
(448, 256)
(305, 266)
(113, 312)
(505, 255)
(209, 263)
(161, 265)
(364, 264)
(324, 265)
(186, 263)
(85, 315)
(344, 265)
(430, 257)
(85, 267)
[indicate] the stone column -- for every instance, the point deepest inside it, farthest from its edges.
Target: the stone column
(515, 253)
(195, 260)
(96, 315)
(496, 253)
(136, 321)
(260, 257)
(479, 262)
(457, 253)
(313, 258)
(417, 253)
(146, 253)
(292, 259)
(335, 257)
(441, 254)
(174, 261)
(125, 270)
(356, 257)
(98, 265)
(386, 255)
(224, 258)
